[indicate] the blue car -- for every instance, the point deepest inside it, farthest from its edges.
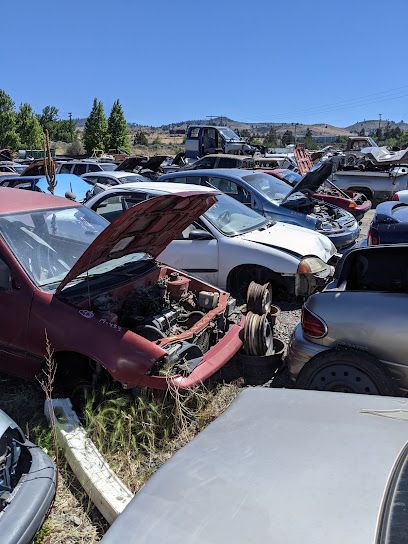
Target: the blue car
(67, 185)
(389, 224)
(277, 200)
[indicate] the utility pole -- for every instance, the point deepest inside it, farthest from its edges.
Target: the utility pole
(379, 121)
(295, 125)
(70, 126)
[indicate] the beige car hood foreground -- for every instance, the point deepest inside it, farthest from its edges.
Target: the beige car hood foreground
(280, 466)
(293, 239)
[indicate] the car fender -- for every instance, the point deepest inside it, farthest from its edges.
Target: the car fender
(253, 253)
(123, 353)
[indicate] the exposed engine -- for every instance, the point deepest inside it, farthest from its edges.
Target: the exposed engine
(330, 217)
(165, 310)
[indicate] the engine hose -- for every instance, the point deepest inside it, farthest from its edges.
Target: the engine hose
(189, 314)
(153, 328)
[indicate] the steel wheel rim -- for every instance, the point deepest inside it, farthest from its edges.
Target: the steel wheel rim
(343, 378)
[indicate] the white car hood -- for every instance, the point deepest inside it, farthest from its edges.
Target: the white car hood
(294, 239)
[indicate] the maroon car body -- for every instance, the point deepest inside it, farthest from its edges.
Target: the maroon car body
(355, 203)
(64, 308)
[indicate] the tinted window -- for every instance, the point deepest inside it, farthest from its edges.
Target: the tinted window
(65, 169)
(107, 166)
(79, 169)
(94, 168)
(228, 162)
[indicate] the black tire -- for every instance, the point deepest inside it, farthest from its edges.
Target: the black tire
(240, 278)
(346, 371)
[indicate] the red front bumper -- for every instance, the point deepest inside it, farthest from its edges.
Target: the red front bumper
(213, 360)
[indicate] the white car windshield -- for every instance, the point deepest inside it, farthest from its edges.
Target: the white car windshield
(232, 218)
(47, 243)
(272, 188)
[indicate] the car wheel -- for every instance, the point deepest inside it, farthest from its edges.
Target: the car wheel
(346, 371)
(240, 278)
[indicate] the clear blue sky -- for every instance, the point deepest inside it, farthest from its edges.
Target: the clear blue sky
(168, 60)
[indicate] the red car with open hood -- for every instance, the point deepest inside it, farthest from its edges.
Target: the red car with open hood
(98, 294)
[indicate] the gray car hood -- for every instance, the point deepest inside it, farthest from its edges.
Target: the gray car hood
(279, 466)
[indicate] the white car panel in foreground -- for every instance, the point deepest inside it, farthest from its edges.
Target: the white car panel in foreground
(224, 252)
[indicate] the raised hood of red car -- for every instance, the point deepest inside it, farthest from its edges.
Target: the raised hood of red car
(147, 227)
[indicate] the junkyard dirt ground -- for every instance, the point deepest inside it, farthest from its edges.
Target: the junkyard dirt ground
(73, 520)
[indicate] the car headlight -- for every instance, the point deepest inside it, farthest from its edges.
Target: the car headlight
(312, 265)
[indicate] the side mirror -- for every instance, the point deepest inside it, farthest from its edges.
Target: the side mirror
(199, 234)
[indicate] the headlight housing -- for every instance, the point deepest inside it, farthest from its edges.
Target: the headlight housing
(312, 265)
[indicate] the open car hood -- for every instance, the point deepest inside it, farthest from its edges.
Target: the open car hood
(152, 163)
(312, 180)
(147, 227)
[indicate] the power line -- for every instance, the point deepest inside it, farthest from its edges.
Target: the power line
(373, 98)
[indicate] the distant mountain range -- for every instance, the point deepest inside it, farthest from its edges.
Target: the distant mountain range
(318, 129)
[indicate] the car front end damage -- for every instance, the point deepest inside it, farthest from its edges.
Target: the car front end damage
(171, 329)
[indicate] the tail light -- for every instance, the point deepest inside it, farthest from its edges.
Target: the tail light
(395, 196)
(312, 325)
(373, 239)
(352, 204)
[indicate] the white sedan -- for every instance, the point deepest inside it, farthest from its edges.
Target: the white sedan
(231, 245)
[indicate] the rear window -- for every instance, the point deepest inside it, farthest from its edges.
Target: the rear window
(108, 166)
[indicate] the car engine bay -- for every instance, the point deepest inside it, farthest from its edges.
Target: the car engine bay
(177, 312)
(329, 217)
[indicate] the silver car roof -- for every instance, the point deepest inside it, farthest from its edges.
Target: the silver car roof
(279, 466)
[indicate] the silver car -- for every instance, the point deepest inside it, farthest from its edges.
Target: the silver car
(281, 467)
(353, 335)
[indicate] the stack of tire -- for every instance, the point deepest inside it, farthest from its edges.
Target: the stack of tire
(261, 354)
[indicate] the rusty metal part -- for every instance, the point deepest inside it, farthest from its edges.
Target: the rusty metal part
(259, 298)
(303, 159)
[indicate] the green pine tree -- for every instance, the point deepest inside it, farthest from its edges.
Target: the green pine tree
(95, 131)
(118, 136)
(8, 131)
(29, 128)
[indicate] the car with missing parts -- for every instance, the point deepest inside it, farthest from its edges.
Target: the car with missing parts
(101, 298)
(231, 245)
(352, 337)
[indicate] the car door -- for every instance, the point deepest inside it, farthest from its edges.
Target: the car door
(198, 257)
(16, 294)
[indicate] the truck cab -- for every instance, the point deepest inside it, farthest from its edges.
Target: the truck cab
(205, 139)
